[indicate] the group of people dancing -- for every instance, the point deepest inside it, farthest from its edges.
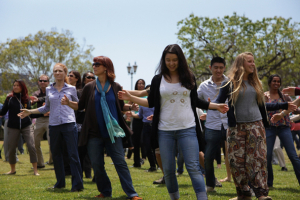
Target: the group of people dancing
(238, 111)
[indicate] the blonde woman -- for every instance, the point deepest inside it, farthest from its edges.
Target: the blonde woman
(247, 119)
(62, 127)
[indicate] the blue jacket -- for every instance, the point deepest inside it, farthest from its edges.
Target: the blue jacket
(225, 94)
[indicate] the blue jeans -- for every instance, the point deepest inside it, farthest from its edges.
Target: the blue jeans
(296, 139)
(285, 136)
(95, 149)
(180, 160)
(213, 139)
(68, 133)
(187, 140)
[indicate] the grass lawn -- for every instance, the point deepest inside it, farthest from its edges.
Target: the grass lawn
(24, 185)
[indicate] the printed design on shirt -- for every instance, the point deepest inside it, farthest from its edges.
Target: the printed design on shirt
(172, 100)
(175, 93)
(182, 100)
(185, 93)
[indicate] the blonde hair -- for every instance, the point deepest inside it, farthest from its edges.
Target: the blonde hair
(235, 75)
(65, 70)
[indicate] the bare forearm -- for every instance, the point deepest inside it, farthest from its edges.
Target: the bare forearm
(135, 115)
(126, 107)
(213, 106)
(138, 93)
(295, 118)
(34, 111)
(139, 101)
(297, 102)
(73, 105)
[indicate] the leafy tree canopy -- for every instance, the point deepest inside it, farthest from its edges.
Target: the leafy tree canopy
(275, 43)
(36, 54)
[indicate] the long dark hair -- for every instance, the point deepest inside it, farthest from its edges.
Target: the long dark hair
(136, 83)
(77, 75)
(185, 74)
(24, 92)
(84, 76)
(270, 79)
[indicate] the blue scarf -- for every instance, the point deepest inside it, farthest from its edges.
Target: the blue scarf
(113, 128)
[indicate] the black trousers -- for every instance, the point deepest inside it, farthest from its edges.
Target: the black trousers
(146, 138)
(137, 127)
(85, 161)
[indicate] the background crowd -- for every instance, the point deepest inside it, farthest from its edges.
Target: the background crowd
(89, 117)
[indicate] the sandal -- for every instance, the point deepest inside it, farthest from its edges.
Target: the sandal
(11, 173)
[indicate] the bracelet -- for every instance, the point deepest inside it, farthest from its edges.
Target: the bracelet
(130, 107)
(282, 112)
(30, 111)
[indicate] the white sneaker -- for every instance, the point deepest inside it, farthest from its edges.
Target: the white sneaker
(210, 189)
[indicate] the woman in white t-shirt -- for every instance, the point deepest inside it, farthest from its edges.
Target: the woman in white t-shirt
(173, 93)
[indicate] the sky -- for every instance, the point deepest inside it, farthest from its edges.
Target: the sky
(127, 31)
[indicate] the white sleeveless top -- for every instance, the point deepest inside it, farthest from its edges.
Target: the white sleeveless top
(175, 107)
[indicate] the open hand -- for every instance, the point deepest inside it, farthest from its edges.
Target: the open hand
(203, 116)
(223, 108)
(128, 114)
(150, 117)
(291, 106)
(33, 99)
(65, 100)
(124, 95)
(289, 91)
(135, 107)
(24, 113)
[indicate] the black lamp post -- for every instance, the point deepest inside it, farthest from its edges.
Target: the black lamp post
(131, 70)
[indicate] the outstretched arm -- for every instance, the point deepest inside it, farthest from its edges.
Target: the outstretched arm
(222, 108)
(125, 95)
(291, 107)
(26, 112)
(138, 93)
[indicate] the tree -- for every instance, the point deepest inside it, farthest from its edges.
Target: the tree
(36, 54)
(275, 43)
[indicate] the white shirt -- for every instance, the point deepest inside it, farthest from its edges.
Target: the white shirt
(214, 118)
(176, 110)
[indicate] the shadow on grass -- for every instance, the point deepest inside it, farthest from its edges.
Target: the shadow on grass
(12, 175)
(161, 185)
(45, 169)
(221, 194)
(89, 197)
(57, 190)
(292, 190)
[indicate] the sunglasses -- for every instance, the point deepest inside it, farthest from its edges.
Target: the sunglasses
(70, 75)
(45, 81)
(96, 64)
(90, 77)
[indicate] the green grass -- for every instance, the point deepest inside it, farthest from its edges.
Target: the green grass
(24, 185)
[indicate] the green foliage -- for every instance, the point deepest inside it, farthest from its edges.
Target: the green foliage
(275, 43)
(36, 54)
(2, 98)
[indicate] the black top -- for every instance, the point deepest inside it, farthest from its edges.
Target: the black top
(154, 101)
(41, 99)
(225, 94)
(79, 113)
(13, 105)
(90, 124)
